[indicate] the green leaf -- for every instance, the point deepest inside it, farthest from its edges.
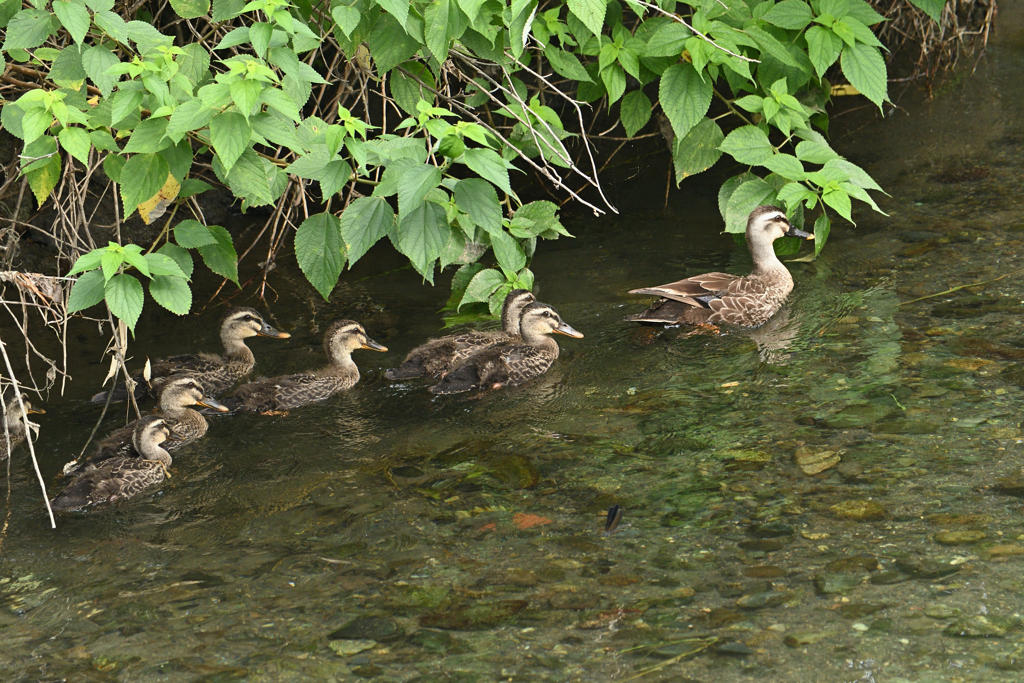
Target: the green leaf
(124, 103)
(698, 150)
(822, 227)
(746, 198)
(227, 9)
(668, 41)
(489, 166)
(67, 70)
(179, 160)
(507, 251)
(566, 64)
(815, 152)
(363, 223)
(590, 12)
(148, 136)
(28, 29)
(865, 68)
(191, 187)
(245, 94)
(399, 9)
(191, 9)
(75, 18)
(933, 8)
(162, 264)
(88, 261)
(634, 111)
(179, 256)
(124, 298)
(444, 22)
(770, 45)
(320, 251)
(477, 197)
(543, 215)
(860, 32)
(192, 234)
(406, 86)
(785, 165)
(614, 79)
(188, 116)
(335, 176)
(142, 177)
(347, 18)
(790, 14)
(113, 164)
(76, 142)
(840, 201)
(229, 133)
(792, 194)
(146, 37)
(389, 44)
(748, 145)
(414, 185)
(221, 257)
(482, 285)
(729, 188)
(862, 11)
(111, 262)
(96, 60)
(684, 97)
(281, 102)
(823, 48)
(103, 141)
(172, 293)
(858, 176)
(87, 291)
(113, 25)
(422, 234)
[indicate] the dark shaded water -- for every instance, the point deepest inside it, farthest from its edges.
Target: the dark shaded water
(388, 535)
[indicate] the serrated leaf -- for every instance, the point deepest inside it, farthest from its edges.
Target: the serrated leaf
(822, 227)
(566, 64)
(933, 8)
(790, 14)
(634, 112)
(191, 9)
(87, 291)
(229, 133)
(614, 79)
(489, 165)
(823, 48)
(748, 145)
(113, 25)
(221, 257)
(124, 103)
(76, 142)
(840, 201)
(67, 70)
(744, 199)
(770, 45)
(142, 177)
(414, 185)
(785, 165)
(320, 251)
(162, 264)
(179, 256)
(477, 197)
(363, 223)
(590, 12)
(148, 136)
(124, 298)
(698, 150)
(75, 18)
(347, 18)
(684, 97)
(192, 234)
(173, 293)
(507, 251)
(245, 94)
(96, 60)
(422, 234)
(43, 179)
(668, 41)
(482, 286)
(865, 68)
(27, 29)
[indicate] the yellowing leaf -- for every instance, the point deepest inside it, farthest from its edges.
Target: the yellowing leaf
(155, 206)
(839, 90)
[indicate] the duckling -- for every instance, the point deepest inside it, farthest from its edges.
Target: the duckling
(18, 425)
(438, 357)
(747, 301)
(292, 391)
(217, 374)
(188, 425)
(511, 363)
(122, 476)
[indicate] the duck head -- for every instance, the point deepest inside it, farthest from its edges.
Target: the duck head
(186, 391)
(512, 309)
(768, 223)
(345, 336)
(242, 323)
(540, 319)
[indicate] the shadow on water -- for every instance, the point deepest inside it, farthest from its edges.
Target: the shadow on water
(835, 496)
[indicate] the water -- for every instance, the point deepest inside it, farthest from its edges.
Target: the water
(389, 535)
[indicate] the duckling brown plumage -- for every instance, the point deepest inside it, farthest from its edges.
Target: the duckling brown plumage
(17, 423)
(216, 373)
(512, 363)
(188, 424)
(293, 391)
(747, 301)
(438, 357)
(122, 476)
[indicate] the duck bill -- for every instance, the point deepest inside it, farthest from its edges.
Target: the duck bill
(568, 331)
(268, 331)
(208, 402)
(372, 345)
(35, 411)
(796, 232)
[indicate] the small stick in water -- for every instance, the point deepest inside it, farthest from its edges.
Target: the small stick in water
(611, 524)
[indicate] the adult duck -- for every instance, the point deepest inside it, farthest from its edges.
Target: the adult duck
(175, 400)
(278, 394)
(514, 362)
(437, 357)
(746, 301)
(122, 476)
(17, 424)
(215, 373)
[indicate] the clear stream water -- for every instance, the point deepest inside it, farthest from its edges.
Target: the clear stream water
(392, 536)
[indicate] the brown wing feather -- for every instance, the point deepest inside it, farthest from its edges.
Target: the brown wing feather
(685, 290)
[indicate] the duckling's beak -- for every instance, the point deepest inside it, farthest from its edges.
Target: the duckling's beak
(372, 345)
(568, 331)
(208, 402)
(794, 232)
(35, 411)
(268, 331)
